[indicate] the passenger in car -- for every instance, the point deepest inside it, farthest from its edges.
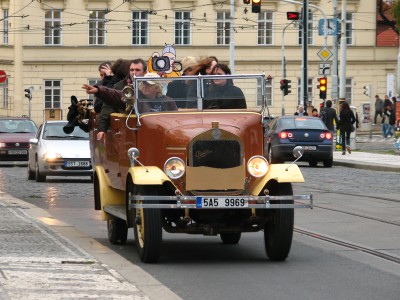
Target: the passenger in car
(151, 98)
(222, 93)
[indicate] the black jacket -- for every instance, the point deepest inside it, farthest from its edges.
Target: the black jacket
(346, 119)
(225, 97)
(329, 117)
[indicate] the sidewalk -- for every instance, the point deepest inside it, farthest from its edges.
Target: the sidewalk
(368, 161)
(42, 258)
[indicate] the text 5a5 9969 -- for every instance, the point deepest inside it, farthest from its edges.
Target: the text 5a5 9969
(220, 202)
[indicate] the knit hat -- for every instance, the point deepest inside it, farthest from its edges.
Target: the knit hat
(188, 62)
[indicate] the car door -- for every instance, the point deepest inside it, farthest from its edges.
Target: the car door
(33, 146)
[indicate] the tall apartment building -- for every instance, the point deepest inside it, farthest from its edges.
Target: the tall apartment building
(54, 46)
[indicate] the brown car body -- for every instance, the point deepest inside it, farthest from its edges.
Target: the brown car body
(216, 194)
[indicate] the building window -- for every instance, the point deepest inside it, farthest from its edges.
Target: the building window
(5, 27)
(182, 27)
(52, 93)
(140, 27)
(52, 27)
(4, 94)
(223, 28)
(97, 27)
(265, 28)
(349, 28)
(310, 30)
(310, 94)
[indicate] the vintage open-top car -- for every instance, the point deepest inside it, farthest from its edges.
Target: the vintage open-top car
(197, 167)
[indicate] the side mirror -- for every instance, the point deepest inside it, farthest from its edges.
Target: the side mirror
(298, 152)
(33, 141)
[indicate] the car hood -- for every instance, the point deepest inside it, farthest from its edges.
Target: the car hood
(67, 148)
(16, 137)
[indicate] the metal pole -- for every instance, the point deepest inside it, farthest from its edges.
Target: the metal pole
(343, 49)
(305, 48)
(284, 65)
(335, 87)
(232, 38)
(370, 111)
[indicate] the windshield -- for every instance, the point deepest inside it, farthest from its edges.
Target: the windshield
(301, 123)
(17, 126)
(200, 93)
(55, 131)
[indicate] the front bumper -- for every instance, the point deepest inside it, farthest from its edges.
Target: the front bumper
(194, 202)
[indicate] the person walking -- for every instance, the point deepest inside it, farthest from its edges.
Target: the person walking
(346, 125)
(328, 115)
(378, 108)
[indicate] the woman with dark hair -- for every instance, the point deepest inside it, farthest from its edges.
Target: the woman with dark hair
(222, 93)
(346, 123)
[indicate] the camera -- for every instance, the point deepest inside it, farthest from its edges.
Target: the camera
(160, 63)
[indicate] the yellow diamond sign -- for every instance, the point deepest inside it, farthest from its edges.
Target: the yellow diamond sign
(324, 54)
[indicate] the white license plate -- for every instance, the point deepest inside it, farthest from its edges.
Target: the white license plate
(220, 202)
(17, 152)
(310, 148)
(70, 164)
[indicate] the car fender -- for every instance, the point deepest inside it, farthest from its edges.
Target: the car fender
(280, 173)
(148, 175)
(108, 195)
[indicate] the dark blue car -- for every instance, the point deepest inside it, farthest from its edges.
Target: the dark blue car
(286, 132)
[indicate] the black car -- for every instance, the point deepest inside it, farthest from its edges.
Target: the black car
(286, 132)
(15, 133)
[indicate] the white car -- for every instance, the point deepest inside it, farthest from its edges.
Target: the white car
(55, 153)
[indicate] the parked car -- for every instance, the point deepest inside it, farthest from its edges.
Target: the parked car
(286, 132)
(55, 153)
(15, 133)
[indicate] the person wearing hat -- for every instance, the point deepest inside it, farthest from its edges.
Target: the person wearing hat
(178, 89)
(151, 98)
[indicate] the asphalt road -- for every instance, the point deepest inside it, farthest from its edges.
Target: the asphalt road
(197, 267)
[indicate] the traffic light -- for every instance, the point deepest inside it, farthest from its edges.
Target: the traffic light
(285, 86)
(256, 6)
(293, 15)
(321, 105)
(367, 92)
(28, 94)
(323, 87)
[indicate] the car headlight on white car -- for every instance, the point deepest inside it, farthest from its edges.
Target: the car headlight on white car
(51, 156)
(257, 166)
(174, 167)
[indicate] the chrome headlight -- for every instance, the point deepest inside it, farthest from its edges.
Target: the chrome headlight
(51, 156)
(257, 166)
(174, 167)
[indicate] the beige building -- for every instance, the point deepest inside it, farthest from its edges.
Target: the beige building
(54, 46)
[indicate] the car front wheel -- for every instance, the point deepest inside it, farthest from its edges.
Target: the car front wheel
(39, 177)
(31, 174)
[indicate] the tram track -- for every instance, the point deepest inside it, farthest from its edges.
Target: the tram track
(364, 249)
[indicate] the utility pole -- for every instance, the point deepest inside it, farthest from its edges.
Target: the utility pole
(232, 38)
(304, 75)
(335, 81)
(343, 49)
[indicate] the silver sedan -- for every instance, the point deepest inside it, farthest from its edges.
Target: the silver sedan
(56, 153)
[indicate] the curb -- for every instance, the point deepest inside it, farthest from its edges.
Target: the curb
(365, 166)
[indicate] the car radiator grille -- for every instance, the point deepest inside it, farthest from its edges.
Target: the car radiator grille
(21, 145)
(216, 153)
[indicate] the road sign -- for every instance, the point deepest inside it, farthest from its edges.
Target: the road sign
(324, 69)
(332, 26)
(3, 76)
(324, 54)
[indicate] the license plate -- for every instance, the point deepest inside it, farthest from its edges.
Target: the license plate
(310, 148)
(220, 202)
(17, 152)
(70, 164)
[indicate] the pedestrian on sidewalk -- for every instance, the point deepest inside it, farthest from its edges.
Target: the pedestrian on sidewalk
(378, 108)
(346, 126)
(300, 111)
(328, 116)
(389, 119)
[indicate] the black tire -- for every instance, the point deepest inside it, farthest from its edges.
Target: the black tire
(39, 177)
(328, 163)
(147, 228)
(313, 163)
(230, 238)
(117, 231)
(278, 233)
(31, 174)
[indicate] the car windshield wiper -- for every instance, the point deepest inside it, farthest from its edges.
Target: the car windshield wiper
(56, 137)
(78, 137)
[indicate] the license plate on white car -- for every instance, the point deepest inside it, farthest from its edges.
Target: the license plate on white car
(17, 152)
(71, 164)
(310, 148)
(221, 202)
